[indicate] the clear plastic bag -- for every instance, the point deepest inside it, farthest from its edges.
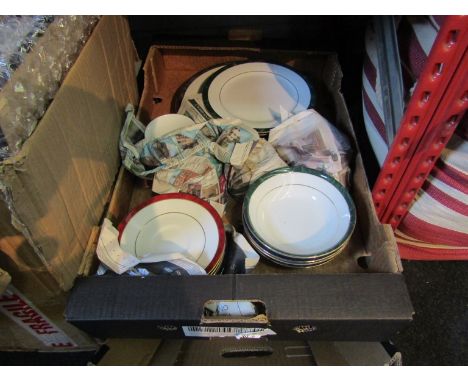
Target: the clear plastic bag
(307, 139)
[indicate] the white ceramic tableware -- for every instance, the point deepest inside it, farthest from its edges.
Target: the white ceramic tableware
(299, 212)
(258, 93)
(194, 88)
(289, 261)
(166, 124)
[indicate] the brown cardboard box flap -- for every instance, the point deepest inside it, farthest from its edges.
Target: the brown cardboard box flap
(60, 181)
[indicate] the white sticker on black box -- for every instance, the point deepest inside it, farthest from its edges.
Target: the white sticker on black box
(226, 331)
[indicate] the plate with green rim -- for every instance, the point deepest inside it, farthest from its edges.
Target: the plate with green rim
(257, 92)
(290, 262)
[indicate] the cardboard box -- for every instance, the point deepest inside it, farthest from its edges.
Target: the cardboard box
(25, 327)
(228, 352)
(251, 352)
(55, 190)
(361, 295)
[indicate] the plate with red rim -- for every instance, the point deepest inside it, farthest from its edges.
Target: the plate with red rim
(175, 223)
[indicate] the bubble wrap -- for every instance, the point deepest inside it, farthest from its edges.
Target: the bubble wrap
(36, 52)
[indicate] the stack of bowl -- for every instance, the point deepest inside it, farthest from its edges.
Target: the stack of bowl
(258, 93)
(298, 217)
(175, 223)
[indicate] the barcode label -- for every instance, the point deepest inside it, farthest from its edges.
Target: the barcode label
(221, 331)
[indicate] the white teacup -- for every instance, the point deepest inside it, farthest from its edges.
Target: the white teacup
(166, 124)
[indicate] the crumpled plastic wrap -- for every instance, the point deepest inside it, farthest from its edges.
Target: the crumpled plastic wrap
(308, 139)
(18, 34)
(35, 54)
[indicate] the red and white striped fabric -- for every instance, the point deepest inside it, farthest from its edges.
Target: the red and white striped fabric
(436, 226)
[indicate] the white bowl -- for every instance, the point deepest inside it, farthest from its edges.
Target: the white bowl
(166, 124)
(299, 211)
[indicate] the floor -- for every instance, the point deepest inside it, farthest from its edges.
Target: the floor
(439, 332)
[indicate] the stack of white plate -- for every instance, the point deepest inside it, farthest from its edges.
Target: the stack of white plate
(298, 217)
(260, 94)
(175, 223)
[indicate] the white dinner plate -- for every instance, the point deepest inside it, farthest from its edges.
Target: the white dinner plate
(175, 223)
(166, 124)
(258, 93)
(299, 211)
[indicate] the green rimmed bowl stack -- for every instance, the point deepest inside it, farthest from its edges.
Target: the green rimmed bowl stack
(298, 217)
